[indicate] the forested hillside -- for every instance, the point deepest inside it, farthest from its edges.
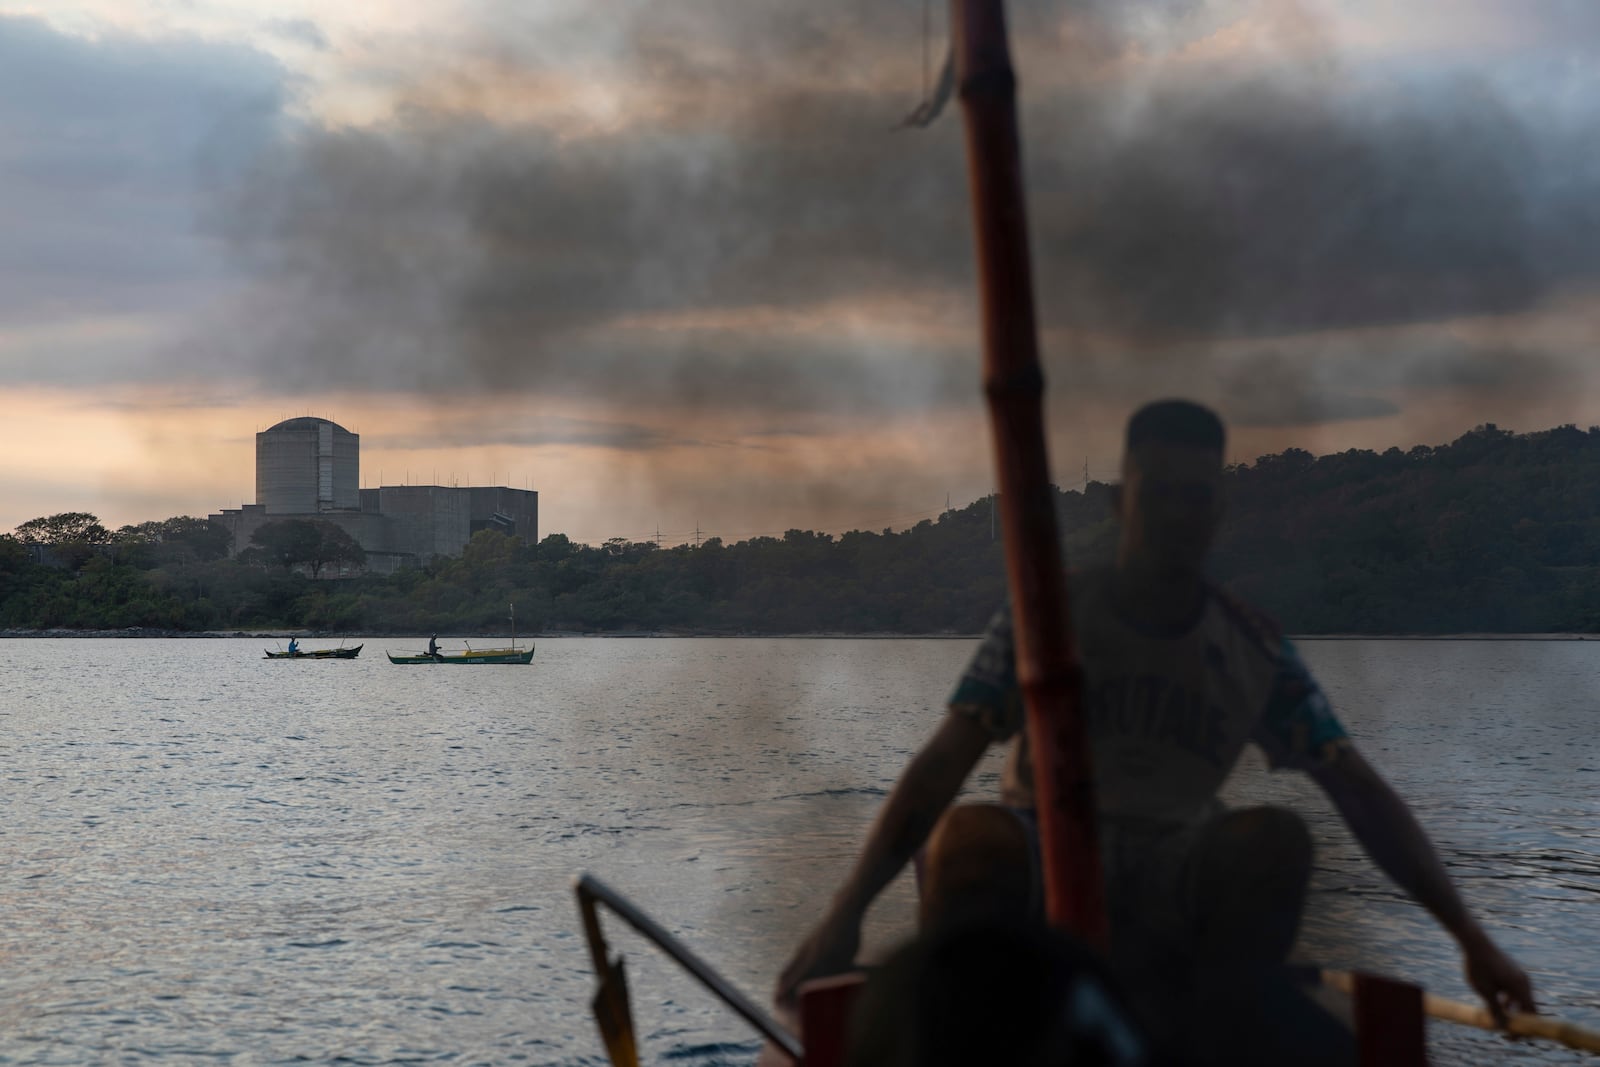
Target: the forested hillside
(1495, 532)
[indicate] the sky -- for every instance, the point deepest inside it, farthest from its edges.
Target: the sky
(676, 266)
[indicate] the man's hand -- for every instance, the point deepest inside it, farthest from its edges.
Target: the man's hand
(1389, 832)
(1503, 985)
(830, 949)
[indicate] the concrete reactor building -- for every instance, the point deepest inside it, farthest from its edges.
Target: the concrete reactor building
(306, 467)
(309, 468)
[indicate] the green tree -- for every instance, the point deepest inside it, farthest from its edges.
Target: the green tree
(487, 550)
(292, 542)
(289, 542)
(334, 545)
(67, 527)
(13, 554)
(179, 541)
(254, 556)
(557, 547)
(199, 539)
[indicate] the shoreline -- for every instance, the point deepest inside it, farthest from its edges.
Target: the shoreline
(134, 633)
(556, 635)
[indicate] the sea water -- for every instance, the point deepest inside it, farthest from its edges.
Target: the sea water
(213, 857)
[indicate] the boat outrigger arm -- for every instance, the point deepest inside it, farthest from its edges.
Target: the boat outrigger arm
(1388, 1014)
(611, 998)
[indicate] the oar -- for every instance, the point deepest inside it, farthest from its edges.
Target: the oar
(1521, 1024)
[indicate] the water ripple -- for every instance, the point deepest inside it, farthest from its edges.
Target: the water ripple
(208, 860)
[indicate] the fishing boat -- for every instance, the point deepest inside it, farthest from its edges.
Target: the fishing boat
(318, 653)
(514, 653)
(471, 655)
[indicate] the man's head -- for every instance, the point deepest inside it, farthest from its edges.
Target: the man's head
(1170, 499)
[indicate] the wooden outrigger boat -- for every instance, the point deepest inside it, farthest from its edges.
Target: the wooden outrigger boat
(471, 655)
(512, 654)
(1388, 1015)
(319, 653)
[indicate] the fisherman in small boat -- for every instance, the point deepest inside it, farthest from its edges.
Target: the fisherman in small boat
(1178, 676)
(433, 646)
(294, 646)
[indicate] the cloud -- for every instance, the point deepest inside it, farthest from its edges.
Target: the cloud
(299, 30)
(1193, 202)
(702, 207)
(444, 252)
(101, 142)
(1269, 389)
(1255, 206)
(531, 432)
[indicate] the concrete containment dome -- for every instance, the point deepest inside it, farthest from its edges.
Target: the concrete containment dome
(306, 422)
(307, 465)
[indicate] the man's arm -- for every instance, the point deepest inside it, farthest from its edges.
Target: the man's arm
(925, 789)
(1384, 825)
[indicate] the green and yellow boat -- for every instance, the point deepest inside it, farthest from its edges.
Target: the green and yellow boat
(471, 655)
(515, 653)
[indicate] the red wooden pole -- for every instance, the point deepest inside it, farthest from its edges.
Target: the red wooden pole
(1014, 385)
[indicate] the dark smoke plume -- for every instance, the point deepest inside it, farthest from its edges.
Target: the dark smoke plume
(1188, 207)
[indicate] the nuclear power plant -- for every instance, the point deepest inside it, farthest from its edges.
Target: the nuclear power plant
(309, 468)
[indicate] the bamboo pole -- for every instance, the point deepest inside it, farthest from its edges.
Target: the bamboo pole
(1047, 664)
(1519, 1024)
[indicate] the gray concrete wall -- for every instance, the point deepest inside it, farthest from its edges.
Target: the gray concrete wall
(514, 512)
(415, 522)
(426, 520)
(307, 465)
(346, 469)
(242, 522)
(286, 471)
(370, 530)
(389, 562)
(309, 468)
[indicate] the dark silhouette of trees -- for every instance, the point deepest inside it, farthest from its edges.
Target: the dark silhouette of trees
(68, 527)
(1493, 532)
(289, 543)
(335, 546)
(179, 541)
(70, 538)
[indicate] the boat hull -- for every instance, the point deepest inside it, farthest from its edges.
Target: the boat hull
(487, 655)
(321, 653)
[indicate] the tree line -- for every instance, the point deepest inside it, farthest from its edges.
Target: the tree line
(1494, 532)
